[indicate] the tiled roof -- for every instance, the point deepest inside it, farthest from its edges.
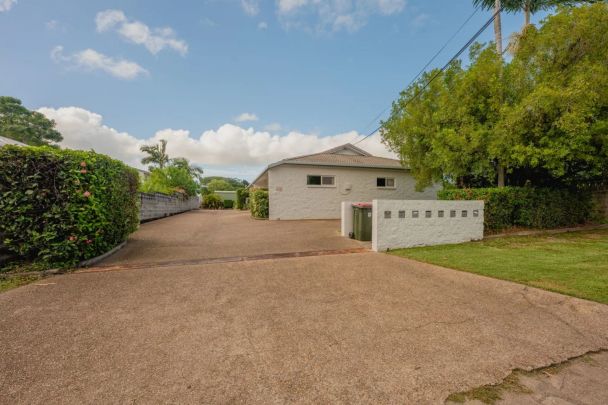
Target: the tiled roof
(331, 159)
(354, 157)
(8, 141)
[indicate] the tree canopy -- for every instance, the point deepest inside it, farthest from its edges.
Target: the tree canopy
(156, 155)
(543, 115)
(23, 125)
(223, 183)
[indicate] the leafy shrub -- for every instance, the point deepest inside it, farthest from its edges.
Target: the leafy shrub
(258, 203)
(228, 204)
(213, 201)
(506, 207)
(170, 180)
(242, 195)
(64, 206)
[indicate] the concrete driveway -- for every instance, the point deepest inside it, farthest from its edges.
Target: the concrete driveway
(341, 328)
(206, 234)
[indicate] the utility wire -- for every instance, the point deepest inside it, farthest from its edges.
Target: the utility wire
(428, 63)
(456, 56)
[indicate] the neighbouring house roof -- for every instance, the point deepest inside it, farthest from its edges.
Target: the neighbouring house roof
(9, 141)
(342, 156)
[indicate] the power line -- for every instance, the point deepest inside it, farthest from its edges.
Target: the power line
(456, 56)
(429, 62)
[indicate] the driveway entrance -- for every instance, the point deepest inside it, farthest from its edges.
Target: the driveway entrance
(207, 234)
(340, 328)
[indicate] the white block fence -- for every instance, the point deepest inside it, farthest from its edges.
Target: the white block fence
(408, 223)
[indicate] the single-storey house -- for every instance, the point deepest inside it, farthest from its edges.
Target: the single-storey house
(314, 186)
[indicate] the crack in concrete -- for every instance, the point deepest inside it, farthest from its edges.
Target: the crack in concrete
(543, 309)
(530, 372)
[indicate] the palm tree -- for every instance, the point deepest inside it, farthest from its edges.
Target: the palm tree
(195, 171)
(157, 154)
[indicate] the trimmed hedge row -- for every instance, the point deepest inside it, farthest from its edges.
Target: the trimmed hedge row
(64, 206)
(507, 207)
(242, 195)
(258, 203)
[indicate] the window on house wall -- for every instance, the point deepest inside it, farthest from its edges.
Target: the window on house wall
(385, 182)
(317, 180)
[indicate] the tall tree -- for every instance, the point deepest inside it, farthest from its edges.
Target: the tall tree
(157, 154)
(544, 114)
(23, 125)
(195, 171)
(497, 6)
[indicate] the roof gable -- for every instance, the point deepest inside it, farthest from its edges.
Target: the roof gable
(347, 149)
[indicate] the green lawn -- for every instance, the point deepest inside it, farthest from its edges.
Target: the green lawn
(573, 263)
(9, 283)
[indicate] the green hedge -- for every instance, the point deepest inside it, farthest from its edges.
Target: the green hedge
(258, 203)
(242, 195)
(212, 202)
(64, 206)
(529, 207)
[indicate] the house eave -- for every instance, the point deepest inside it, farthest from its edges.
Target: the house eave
(335, 165)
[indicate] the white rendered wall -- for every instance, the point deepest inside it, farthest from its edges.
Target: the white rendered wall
(291, 198)
(346, 223)
(395, 232)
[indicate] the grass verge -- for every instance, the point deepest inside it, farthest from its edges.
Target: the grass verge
(574, 263)
(14, 282)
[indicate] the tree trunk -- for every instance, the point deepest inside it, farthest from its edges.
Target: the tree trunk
(497, 27)
(498, 38)
(501, 175)
(526, 13)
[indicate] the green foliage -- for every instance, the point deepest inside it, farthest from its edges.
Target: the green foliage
(507, 207)
(64, 206)
(258, 203)
(170, 180)
(157, 155)
(218, 185)
(196, 172)
(242, 194)
(213, 202)
(23, 125)
(543, 115)
(228, 184)
(228, 204)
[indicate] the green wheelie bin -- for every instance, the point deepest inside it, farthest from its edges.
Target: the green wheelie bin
(362, 221)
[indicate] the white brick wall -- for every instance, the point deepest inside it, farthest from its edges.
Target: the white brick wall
(396, 232)
(291, 198)
(154, 205)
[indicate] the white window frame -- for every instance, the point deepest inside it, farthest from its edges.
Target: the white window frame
(394, 186)
(322, 176)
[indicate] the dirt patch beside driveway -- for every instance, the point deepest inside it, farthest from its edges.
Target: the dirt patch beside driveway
(204, 234)
(353, 328)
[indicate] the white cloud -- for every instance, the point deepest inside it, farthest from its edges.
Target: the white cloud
(250, 7)
(5, 5)
(262, 25)
(274, 127)
(155, 40)
(334, 15)
(52, 24)
(91, 60)
(229, 148)
(421, 20)
(246, 117)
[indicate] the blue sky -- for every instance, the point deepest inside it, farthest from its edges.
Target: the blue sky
(307, 73)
